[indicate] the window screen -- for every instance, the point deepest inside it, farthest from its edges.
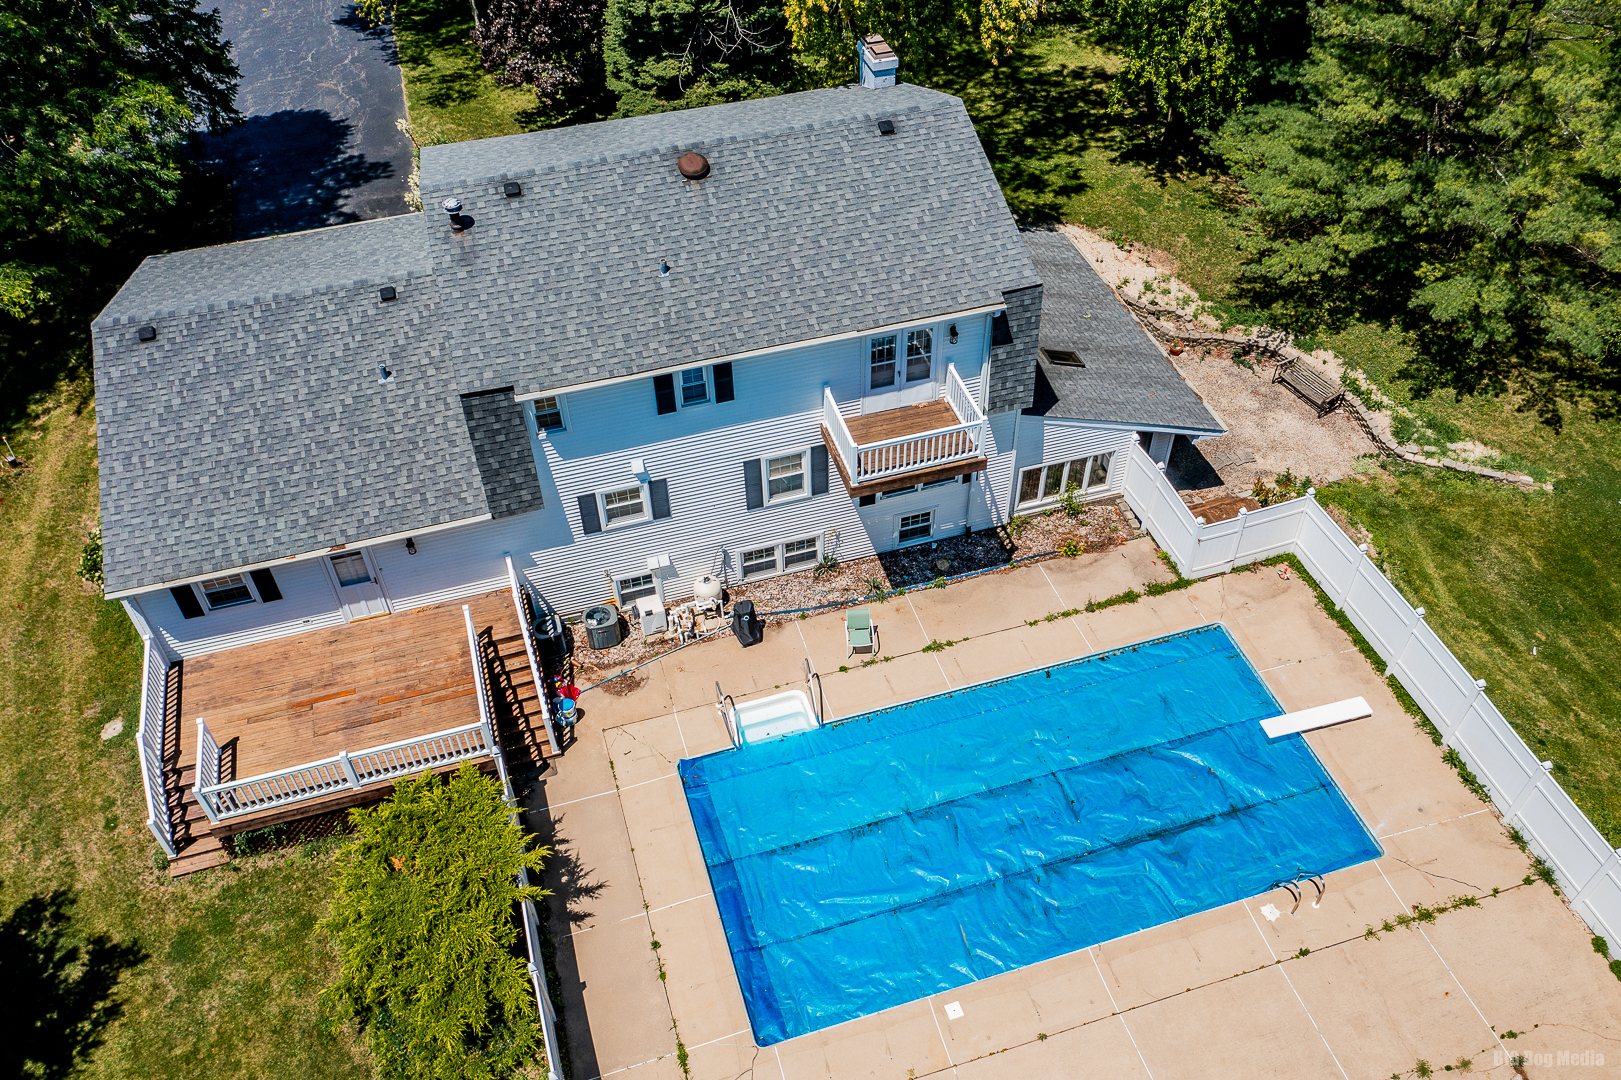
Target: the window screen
(622, 505)
(919, 353)
(226, 591)
(694, 386)
(548, 414)
(785, 476)
(883, 361)
(916, 526)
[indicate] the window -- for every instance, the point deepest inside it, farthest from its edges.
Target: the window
(623, 505)
(634, 587)
(549, 414)
(916, 526)
(1044, 482)
(883, 361)
(350, 567)
(895, 492)
(694, 386)
(226, 591)
(799, 552)
(919, 354)
(759, 561)
(763, 561)
(785, 477)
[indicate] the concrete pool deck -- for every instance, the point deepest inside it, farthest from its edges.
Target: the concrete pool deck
(1218, 993)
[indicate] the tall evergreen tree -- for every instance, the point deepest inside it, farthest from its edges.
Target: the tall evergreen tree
(1453, 165)
(675, 54)
(98, 102)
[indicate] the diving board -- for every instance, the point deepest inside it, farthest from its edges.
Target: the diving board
(1320, 717)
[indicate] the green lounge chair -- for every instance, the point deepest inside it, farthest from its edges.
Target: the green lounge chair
(859, 631)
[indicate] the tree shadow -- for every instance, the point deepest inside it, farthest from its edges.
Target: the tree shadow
(292, 170)
(56, 988)
(379, 34)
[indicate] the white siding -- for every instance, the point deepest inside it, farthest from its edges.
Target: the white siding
(1044, 441)
(307, 603)
(699, 452)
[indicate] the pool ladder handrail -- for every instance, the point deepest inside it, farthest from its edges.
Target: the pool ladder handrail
(813, 691)
(1294, 889)
(728, 714)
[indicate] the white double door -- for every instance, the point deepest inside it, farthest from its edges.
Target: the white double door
(360, 592)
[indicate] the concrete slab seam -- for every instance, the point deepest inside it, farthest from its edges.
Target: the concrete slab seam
(666, 907)
(1290, 983)
(1115, 1005)
(937, 662)
(1433, 824)
(1074, 620)
(942, 1033)
(1455, 980)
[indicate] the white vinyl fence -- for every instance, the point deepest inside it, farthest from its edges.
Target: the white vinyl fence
(1529, 799)
(155, 663)
(531, 921)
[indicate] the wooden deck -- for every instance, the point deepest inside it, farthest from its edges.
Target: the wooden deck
(901, 422)
(298, 699)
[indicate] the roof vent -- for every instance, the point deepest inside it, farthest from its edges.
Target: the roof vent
(386, 293)
(1062, 357)
(886, 127)
(664, 268)
(147, 333)
(383, 374)
(693, 166)
(458, 221)
(512, 189)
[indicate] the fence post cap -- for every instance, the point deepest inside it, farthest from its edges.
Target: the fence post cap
(1419, 612)
(1311, 492)
(1547, 766)
(1243, 511)
(1362, 548)
(1481, 683)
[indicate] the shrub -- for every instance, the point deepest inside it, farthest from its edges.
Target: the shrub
(90, 559)
(424, 925)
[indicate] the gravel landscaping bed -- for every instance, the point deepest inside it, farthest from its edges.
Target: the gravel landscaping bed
(1097, 527)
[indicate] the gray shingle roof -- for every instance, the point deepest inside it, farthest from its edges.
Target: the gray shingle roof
(506, 465)
(255, 426)
(296, 264)
(810, 224)
(1126, 378)
(260, 431)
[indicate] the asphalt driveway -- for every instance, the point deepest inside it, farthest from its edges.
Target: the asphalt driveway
(321, 93)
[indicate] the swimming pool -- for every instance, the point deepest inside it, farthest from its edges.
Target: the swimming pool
(913, 849)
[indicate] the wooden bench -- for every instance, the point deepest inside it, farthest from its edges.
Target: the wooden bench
(1312, 388)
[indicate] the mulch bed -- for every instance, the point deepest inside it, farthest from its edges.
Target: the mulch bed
(1097, 527)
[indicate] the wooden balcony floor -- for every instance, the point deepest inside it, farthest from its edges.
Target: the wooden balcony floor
(900, 422)
(305, 697)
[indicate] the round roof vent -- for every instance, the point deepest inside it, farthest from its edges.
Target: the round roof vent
(693, 166)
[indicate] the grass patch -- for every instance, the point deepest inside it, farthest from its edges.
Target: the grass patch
(448, 94)
(232, 960)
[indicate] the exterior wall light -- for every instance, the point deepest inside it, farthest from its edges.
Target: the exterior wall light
(953, 332)
(410, 545)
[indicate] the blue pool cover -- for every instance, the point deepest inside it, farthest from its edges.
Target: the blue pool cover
(917, 848)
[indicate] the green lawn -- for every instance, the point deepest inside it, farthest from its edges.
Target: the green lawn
(448, 95)
(230, 963)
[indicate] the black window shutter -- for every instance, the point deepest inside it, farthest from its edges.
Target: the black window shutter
(818, 470)
(723, 381)
(1001, 332)
(664, 393)
(589, 521)
(265, 582)
(751, 483)
(866, 500)
(189, 607)
(659, 492)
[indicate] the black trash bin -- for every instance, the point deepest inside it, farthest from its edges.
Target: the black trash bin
(549, 640)
(745, 625)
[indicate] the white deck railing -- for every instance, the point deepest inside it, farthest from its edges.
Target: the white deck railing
(1588, 869)
(520, 601)
(155, 663)
(867, 462)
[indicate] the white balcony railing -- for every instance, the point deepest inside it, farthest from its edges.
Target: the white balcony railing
(865, 463)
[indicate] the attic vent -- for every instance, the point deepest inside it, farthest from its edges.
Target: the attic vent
(886, 127)
(512, 189)
(1063, 357)
(147, 333)
(693, 166)
(386, 293)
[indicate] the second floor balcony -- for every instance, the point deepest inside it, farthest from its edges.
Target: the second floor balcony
(909, 444)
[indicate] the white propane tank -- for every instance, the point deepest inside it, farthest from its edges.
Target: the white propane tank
(706, 589)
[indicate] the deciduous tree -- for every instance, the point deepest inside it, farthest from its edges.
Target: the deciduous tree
(922, 32)
(549, 46)
(670, 54)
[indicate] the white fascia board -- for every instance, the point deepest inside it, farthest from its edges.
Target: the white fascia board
(848, 335)
(1122, 425)
(302, 556)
